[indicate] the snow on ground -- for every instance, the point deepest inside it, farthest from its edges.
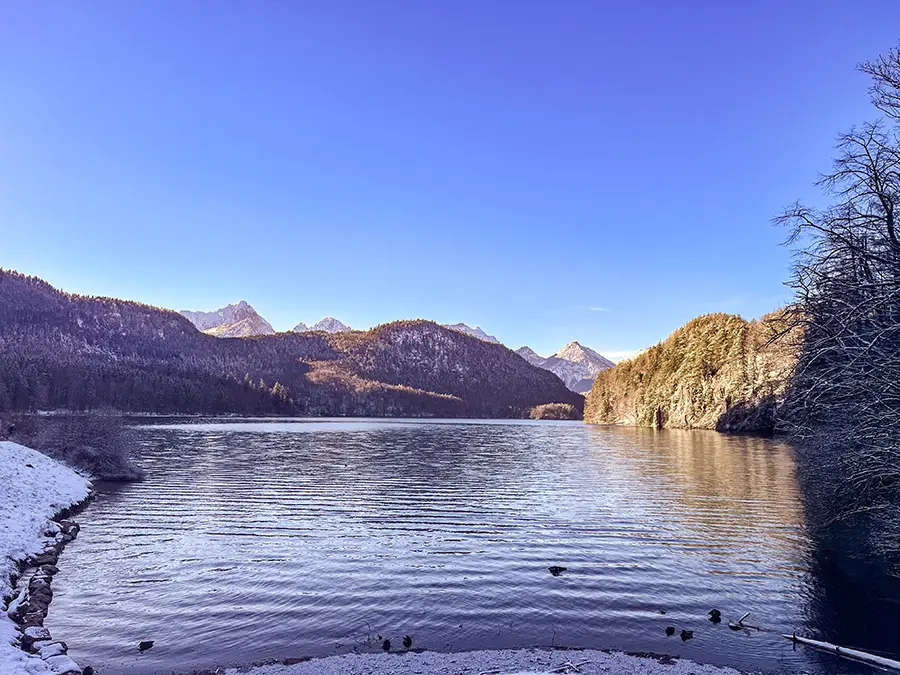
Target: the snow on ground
(33, 488)
(505, 662)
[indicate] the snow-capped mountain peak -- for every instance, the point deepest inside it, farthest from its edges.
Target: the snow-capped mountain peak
(578, 353)
(474, 332)
(328, 324)
(576, 365)
(531, 356)
(235, 320)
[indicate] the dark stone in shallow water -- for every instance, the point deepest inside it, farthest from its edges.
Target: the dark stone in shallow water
(145, 645)
(556, 570)
(386, 645)
(670, 630)
(686, 635)
(295, 660)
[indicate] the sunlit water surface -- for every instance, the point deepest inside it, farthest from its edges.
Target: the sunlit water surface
(255, 540)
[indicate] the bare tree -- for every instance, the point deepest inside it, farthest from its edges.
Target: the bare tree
(844, 403)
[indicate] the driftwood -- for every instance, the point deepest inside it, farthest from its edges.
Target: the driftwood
(845, 651)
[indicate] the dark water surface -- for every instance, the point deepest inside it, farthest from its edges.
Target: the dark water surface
(258, 539)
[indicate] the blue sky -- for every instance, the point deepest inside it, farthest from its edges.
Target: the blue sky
(550, 171)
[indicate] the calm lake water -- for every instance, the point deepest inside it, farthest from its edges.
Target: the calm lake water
(253, 540)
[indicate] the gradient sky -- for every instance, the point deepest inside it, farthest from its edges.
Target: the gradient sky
(600, 171)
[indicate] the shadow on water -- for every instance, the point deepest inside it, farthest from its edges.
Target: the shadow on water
(853, 594)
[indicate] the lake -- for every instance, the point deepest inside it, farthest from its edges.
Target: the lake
(261, 539)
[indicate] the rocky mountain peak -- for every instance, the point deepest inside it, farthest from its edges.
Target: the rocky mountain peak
(474, 332)
(235, 320)
(327, 324)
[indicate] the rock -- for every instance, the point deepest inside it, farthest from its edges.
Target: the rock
(53, 649)
(386, 645)
(686, 635)
(144, 645)
(70, 527)
(407, 641)
(64, 665)
(670, 630)
(33, 634)
(34, 619)
(715, 615)
(49, 557)
(556, 570)
(39, 645)
(37, 633)
(50, 570)
(87, 670)
(667, 660)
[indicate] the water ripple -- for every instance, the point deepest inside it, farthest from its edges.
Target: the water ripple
(256, 540)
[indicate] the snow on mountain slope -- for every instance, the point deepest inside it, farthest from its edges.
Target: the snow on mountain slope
(577, 353)
(531, 356)
(328, 324)
(237, 320)
(576, 365)
(474, 332)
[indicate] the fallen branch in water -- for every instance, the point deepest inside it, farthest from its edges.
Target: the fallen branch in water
(855, 654)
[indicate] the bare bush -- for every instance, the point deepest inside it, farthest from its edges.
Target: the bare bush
(94, 443)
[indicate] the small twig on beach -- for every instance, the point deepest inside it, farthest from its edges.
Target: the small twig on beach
(568, 666)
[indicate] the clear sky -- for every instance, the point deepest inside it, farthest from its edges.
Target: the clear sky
(599, 171)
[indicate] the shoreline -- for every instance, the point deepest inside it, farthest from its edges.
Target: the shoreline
(530, 661)
(43, 495)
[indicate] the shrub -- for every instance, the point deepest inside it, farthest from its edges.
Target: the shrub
(554, 411)
(94, 443)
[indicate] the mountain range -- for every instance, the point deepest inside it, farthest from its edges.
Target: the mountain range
(328, 325)
(66, 351)
(576, 365)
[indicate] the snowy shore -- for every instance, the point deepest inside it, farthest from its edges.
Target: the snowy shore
(33, 490)
(504, 662)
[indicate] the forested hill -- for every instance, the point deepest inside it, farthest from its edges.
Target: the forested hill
(718, 371)
(59, 350)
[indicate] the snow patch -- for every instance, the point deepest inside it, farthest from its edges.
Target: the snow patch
(502, 662)
(33, 488)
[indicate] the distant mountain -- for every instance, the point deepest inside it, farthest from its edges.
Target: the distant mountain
(531, 356)
(474, 332)
(328, 325)
(575, 364)
(64, 351)
(237, 320)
